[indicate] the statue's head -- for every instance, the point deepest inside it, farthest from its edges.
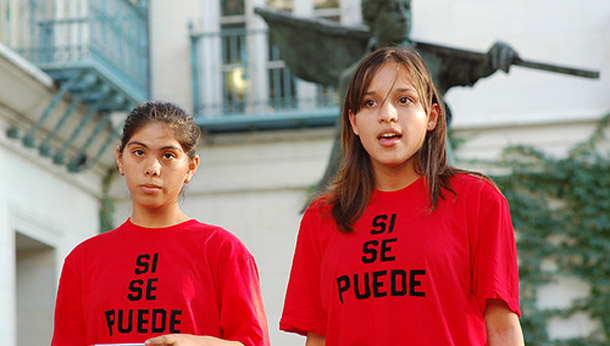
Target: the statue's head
(390, 20)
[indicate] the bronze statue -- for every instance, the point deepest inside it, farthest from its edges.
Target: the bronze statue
(327, 53)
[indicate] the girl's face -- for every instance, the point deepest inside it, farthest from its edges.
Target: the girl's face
(391, 122)
(155, 167)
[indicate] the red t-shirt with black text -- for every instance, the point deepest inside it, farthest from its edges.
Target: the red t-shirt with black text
(405, 276)
(133, 283)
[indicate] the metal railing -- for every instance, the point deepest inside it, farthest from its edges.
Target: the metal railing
(96, 50)
(109, 36)
(240, 82)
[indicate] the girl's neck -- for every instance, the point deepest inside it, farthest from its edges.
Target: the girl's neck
(157, 218)
(394, 178)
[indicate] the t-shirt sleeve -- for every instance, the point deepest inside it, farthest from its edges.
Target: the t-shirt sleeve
(495, 271)
(242, 313)
(69, 327)
(303, 311)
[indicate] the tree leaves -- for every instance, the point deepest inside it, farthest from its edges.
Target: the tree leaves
(561, 212)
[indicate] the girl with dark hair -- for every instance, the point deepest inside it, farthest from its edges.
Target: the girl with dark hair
(403, 249)
(160, 278)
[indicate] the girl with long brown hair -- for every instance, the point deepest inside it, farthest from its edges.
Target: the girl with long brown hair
(403, 249)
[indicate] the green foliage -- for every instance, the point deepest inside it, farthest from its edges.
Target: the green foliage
(454, 141)
(561, 212)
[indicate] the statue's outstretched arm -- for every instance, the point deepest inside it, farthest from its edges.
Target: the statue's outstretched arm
(459, 67)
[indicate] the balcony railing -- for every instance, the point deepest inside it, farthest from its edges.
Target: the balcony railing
(95, 50)
(107, 36)
(241, 83)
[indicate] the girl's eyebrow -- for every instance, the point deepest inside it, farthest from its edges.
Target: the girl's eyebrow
(171, 147)
(137, 143)
(407, 89)
(402, 90)
(167, 147)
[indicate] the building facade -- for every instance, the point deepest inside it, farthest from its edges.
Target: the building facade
(267, 134)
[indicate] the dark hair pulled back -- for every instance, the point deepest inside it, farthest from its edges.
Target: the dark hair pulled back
(181, 124)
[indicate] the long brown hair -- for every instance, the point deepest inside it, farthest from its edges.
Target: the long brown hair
(352, 189)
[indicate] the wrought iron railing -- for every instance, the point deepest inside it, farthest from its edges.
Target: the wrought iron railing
(96, 50)
(108, 36)
(240, 82)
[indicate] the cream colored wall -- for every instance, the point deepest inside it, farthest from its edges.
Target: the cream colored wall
(7, 268)
(44, 204)
(486, 143)
(36, 285)
(47, 206)
(170, 49)
(37, 199)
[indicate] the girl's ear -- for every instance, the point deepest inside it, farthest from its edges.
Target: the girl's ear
(433, 117)
(193, 165)
(119, 159)
(352, 121)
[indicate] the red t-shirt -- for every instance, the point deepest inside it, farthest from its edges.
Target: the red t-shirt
(405, 276)
(133, 283)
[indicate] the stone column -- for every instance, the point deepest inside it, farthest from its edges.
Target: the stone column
(258, 92)
(306, 91)
(210, 60)
(8, 322)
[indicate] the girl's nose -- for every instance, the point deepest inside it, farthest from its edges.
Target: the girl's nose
(387, 113)
(153, 169)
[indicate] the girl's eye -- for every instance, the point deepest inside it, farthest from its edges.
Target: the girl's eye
(370, 103)
(404, 100)
(169, 156)
(138, 152)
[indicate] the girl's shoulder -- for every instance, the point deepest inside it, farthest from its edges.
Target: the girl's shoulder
(216, 234)
(190, 230)
(219, 243)
(191, 233)
(92, 245)
(320, 201)
(319, 207)
(472, 183)
(98, 239)
(468, 179)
